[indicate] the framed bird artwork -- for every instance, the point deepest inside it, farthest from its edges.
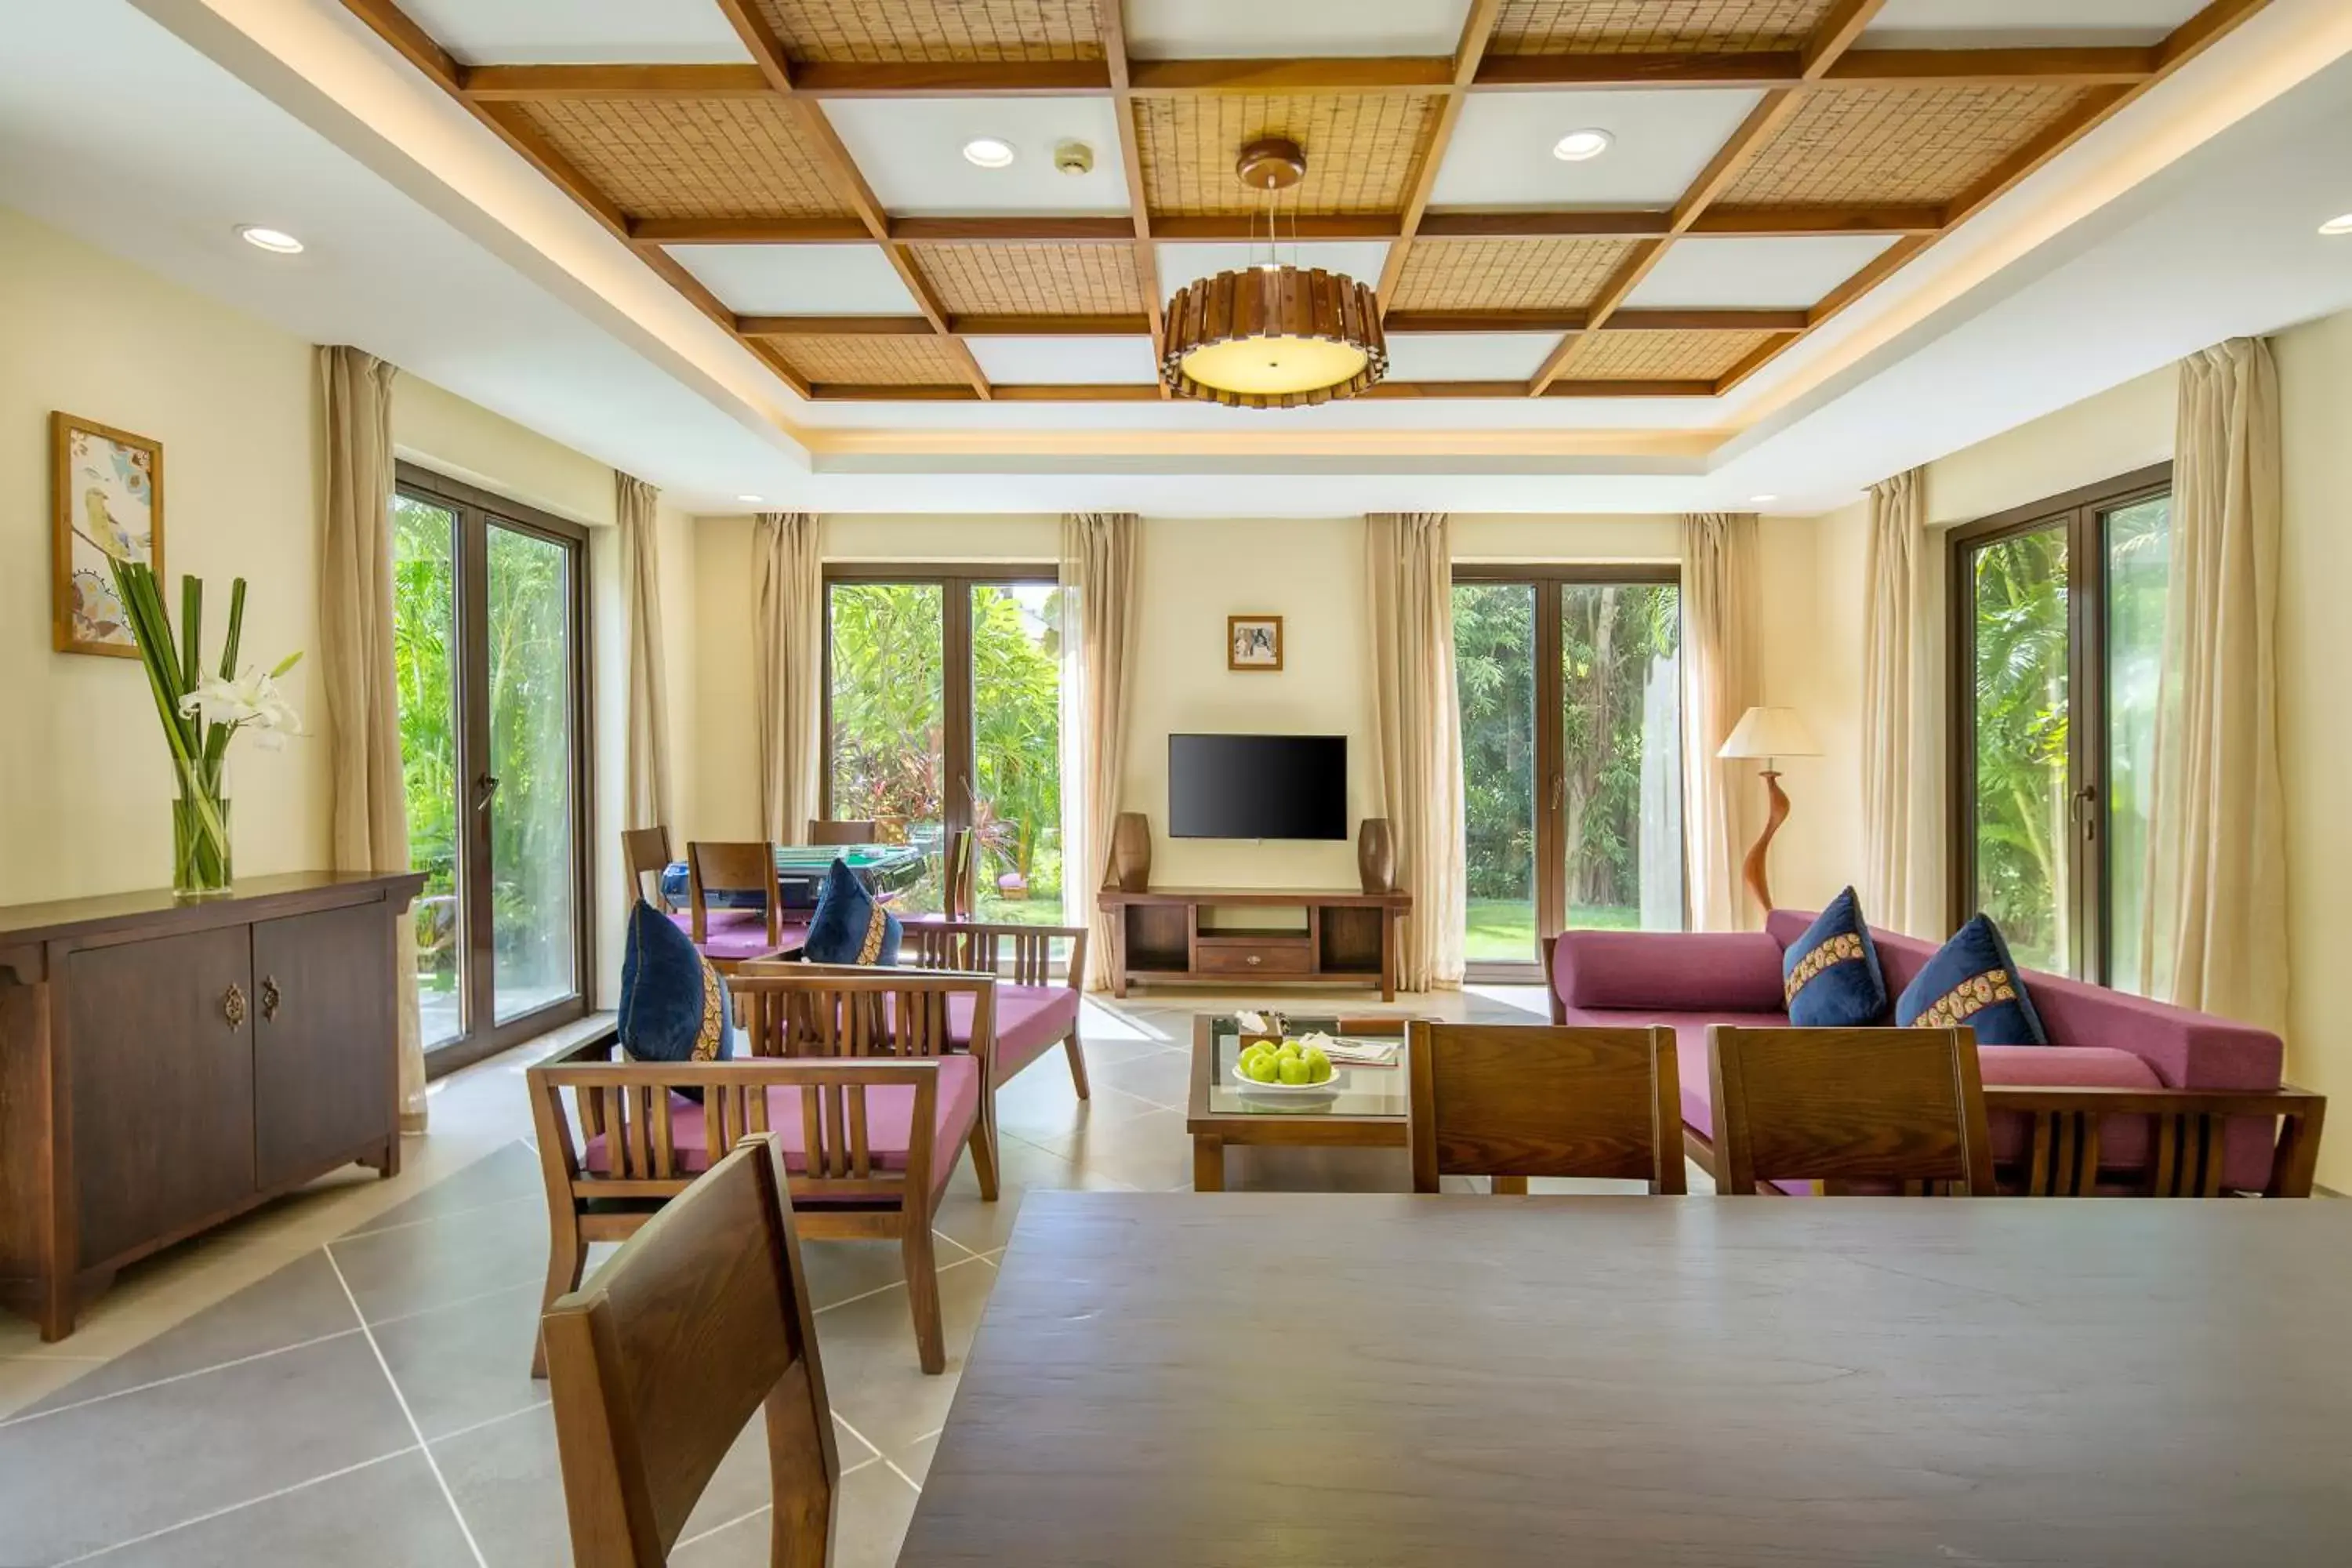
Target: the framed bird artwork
(107, 490)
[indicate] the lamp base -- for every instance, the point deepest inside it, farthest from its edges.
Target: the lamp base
(1776, 815)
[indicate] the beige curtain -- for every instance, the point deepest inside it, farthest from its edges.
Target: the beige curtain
(648, 742)
(356, 663)
(1417, 734)
(1721, 680)
(1899, 515)
(2214, 931)
(1100, 556)
(789, 652)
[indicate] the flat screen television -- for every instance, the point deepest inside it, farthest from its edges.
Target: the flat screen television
(1258, 786)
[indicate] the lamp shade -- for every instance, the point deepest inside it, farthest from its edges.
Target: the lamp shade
(1770, 733)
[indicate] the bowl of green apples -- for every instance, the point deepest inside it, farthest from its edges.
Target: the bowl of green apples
(1285, 1069)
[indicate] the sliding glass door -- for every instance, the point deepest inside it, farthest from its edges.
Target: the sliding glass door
(490, 653)
(1569, 684)
(2057, 636)
(943, 712)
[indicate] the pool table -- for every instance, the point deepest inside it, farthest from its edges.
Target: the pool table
(801, 869)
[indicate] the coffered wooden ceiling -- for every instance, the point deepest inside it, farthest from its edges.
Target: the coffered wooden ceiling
(794, 168)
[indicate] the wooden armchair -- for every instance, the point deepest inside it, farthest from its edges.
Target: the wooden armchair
(645, 852)
(1034, 1008)
(1510, 1101)
(701, 1318)
(868, 1142)
(823, 830)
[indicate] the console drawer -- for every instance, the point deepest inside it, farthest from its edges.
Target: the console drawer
(1254, 955)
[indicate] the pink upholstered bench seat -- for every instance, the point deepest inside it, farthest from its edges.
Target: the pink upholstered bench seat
(890, 1118)
(740, 935)
(1029, 1019)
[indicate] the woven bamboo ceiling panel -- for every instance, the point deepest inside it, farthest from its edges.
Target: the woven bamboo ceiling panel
(1654, 26)
(1659, 356)
(1899, 144)
(675, 158)
(883, 32)
(874, 362)
(1506, 274)
(847, 131)
(1032, 279)
(1361, 148)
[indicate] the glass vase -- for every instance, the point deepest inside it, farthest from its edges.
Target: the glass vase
(199, 849)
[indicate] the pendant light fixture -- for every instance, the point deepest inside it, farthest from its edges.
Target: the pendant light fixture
(1274, 335)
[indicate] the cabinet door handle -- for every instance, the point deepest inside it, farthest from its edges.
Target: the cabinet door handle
(270, 997)
(233, 1006)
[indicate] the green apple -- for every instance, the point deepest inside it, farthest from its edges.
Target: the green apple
(1319, 1066)
(1263, 1070)
(1290, 1048)
(1294, 1071)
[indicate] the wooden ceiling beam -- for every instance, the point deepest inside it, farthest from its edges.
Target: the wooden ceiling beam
(1719, 218)
(956, 79)
(834, 327)
(1991, 68)
(1168, 78)
(1477, 28)
(1137, 325)
(991, 229)
(750, 231)
(529, 84)
(1436, 224)
(1525, 73)
(1422, 322)
(1110, 24)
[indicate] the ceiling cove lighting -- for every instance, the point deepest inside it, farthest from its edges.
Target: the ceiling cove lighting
(751, 501)
(2337, 225)
(276, 241)
(1580, 145)
(1761, 501)
(1274, 335)
(988, 151)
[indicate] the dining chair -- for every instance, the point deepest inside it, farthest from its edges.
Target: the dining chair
(702, 1316)
(824, 831)
(645, 852)
(1510, 1101)
(1879, 1110)
(738, 932)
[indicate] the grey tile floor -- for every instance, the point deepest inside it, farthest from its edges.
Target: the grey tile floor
(345, 1377)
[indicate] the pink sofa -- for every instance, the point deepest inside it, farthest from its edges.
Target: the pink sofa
(2141, 1058)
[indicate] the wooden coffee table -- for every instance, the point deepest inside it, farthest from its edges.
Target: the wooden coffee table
(1366, 1113)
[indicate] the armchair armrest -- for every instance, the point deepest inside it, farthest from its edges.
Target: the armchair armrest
(2192, 1127)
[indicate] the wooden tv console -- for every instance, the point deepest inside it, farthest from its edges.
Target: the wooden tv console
(1194, 936)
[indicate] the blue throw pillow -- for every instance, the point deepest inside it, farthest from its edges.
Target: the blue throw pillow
(674, 1007)
(849, 927)
(1972, 981)
(1831, 975)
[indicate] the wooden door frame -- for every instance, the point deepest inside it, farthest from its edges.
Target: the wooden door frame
(1550, 579)
(2081, 513)
(477, 511)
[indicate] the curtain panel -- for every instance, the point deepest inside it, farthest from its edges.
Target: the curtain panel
(788, 674)
(356, 661)
(1101, 557)
(1417, 734)
(1891, 710)
(647, 759)
(1721, 680)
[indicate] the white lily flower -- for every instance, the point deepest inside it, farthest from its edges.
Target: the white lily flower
(252, 700)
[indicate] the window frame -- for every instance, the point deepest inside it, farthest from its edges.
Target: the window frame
(2081, 513)
(1548, 579)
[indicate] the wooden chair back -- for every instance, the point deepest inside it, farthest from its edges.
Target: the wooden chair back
(1018, 955)
(700, 1317)
(839, 1010)
(959, 893)
(645, 852)
(731, 867)
(1841, 1107)
(824, 831)
(1519, 1101)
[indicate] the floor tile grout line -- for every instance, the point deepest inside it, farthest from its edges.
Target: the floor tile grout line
(453, 1302)
(686, 1540)
(872, 1447)
(408, 1415)
(967, 1251)
(436, 1219)
(903, 1475)
(236, 1507)
(473, 1427)
(897, 1284)
(32, 1415)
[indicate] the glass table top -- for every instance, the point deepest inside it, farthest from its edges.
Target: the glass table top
(1354, 1089)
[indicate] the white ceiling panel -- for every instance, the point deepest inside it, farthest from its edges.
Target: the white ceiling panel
(1501, 153)
(1762, 274)
(799, 279)
(1246, 29)
(1068, 362)
(1180, 264)
(579, 32)
(1467, 357)
(1996, 24)
(911, 151)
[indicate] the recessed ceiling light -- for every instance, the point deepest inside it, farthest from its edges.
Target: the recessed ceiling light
(1761, 501)
(751, 501)
(988, 151)
(2338, 225)
(277, 241)
(1577, 145)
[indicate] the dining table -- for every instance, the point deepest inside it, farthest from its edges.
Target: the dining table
(1359, 1380)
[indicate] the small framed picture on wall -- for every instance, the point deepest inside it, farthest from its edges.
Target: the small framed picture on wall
(1253, 642)
(107, 494)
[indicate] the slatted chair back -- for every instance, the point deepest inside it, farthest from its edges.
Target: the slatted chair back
(702, 1316)
(1512, 1102)
(716, 866)
(822, 830)
(645, 852)
(1018, 955)
(840, 1010)
(1848, 1108)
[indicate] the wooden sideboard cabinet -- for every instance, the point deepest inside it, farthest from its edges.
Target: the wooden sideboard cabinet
(166, 1066)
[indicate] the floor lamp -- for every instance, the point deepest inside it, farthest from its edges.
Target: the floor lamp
(1767, 734)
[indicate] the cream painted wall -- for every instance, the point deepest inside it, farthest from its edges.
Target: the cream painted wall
(85, 780)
